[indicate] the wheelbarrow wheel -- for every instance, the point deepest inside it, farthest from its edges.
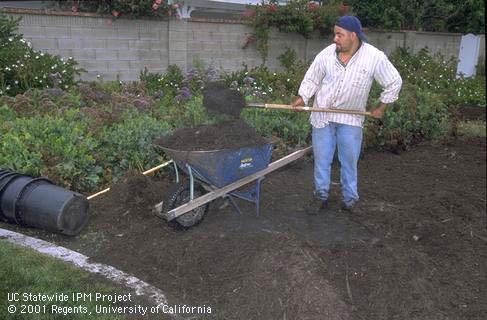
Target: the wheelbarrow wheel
(179, 194)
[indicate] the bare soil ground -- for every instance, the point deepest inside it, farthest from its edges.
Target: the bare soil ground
(418, 249)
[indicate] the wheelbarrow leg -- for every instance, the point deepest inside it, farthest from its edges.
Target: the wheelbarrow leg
(252, 195)
(191, 183)
(234, 204)
(257, 196)
(176, 171)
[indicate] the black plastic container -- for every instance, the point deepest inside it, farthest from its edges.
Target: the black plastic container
(36, 202)
(5, 179)
(53, 208)
(11, 194)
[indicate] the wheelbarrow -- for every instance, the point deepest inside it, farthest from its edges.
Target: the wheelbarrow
(216, 174)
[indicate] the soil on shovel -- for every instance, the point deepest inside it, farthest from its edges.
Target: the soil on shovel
(223, 135)
(416, 250)
(219, 99)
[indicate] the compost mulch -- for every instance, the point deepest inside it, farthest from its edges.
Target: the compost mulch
(219, 99)
(418, 249)
(230, 134)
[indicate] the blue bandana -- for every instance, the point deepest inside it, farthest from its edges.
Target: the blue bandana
(352, 24)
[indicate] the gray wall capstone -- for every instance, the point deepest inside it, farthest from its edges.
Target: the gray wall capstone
(121, 48)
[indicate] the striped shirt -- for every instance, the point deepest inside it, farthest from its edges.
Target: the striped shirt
(338, 86)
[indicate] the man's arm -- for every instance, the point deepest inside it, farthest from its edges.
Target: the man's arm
(311, 81)
(378, 112)
(390, 80)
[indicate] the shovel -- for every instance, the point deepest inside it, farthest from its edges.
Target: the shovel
(220, 99)
(290, 107)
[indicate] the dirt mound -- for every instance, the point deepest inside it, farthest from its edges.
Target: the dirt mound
(282, 277)
(241, 276)
(293, 272)
(224, 135)
(219, 99)
(135, 192)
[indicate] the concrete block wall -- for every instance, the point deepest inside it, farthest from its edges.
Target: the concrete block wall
(387, 41)
(278, 42)
(122, 48)
(219, 45)
(112, 49)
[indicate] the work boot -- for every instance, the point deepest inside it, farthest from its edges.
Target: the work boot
(316, 206)
(351, 207)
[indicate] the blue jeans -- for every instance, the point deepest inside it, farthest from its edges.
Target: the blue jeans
(348, 140)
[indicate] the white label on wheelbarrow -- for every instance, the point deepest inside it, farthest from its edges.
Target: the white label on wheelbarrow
(246, 163)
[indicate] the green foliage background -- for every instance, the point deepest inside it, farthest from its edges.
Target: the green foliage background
(22, 67)
(429, 15)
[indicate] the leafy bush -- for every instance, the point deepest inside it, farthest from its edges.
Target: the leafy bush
(55, 145)
(417, 115)
(163, 85)
(23, 68)
(437, 74)
(127, 145)
(297, 16)
(288, 128)
(132, 8)
(259, 84)
(439, 15)
(176, 84)
(472, 129)
(190, 114)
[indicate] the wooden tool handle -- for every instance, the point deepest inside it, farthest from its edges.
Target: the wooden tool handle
(290, 107)
(144, 173)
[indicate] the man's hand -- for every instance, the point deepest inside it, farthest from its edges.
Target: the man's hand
(378, 113)
(298, 102)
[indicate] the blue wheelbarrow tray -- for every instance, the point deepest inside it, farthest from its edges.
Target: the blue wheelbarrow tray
(222, 167)
(218, 168)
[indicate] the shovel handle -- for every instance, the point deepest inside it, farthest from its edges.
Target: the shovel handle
(290, 107)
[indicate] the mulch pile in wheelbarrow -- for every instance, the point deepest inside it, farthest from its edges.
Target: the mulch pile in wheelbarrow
(223, 135)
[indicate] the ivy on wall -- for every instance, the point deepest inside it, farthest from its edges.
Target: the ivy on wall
(297, 16)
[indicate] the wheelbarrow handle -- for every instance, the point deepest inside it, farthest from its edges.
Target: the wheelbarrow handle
(290, 107)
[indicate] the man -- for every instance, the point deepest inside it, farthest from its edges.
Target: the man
(340, 77)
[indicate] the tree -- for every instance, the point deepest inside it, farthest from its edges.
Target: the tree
(429, 15)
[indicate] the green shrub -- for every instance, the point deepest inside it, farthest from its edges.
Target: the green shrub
(417, 115)
(160, 85)
(23, 68)
(439, 15)
(437, 74)
(54, 145)
(178, 85)
(472, 129)
(290, 128)
(260, 84)
(297, 16)
(131, 8)
(127, 145)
